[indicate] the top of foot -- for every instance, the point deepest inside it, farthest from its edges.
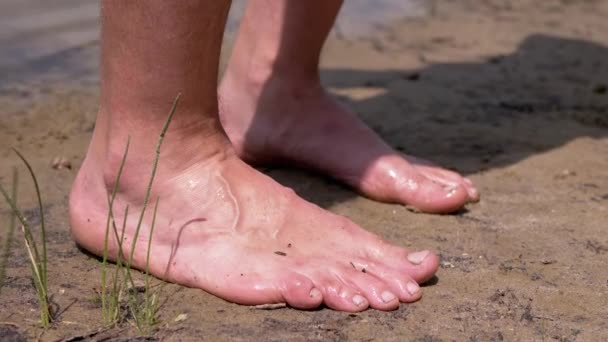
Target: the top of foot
(226, 228)
(303, 125)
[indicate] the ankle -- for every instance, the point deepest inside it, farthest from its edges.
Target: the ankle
(259, 69)
(182, 148)
(271, 80)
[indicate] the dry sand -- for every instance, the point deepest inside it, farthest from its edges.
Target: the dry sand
(511, 93)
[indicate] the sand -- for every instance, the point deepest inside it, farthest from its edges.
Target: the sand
(510, 93)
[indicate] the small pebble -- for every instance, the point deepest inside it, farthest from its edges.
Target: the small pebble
(59, 163)
(181, 317)
(447, 264)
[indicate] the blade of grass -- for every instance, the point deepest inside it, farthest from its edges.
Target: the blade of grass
(148, 309)
(116, 289)
(146, 201)
(30, 243)
(121, 254)
(107, 232)
(122, 269)
(21, 217)
(135, 307)
(6, 252)
(37, 272)
(38, 266)
(115, 294)
(42, 227)
(154, 167)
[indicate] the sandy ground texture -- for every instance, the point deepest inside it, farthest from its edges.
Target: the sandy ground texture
(511, 93)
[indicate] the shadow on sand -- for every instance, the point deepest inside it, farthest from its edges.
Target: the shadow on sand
(472, 117)
(469, 117)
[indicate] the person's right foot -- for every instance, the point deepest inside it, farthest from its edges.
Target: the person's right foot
(226, 228)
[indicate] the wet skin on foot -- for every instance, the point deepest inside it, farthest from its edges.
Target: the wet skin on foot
(275, 121)
(226, 228)
(221, 225)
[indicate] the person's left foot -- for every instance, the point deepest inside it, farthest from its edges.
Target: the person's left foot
(276, 121)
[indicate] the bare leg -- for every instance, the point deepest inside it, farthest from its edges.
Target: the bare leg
(274, 109)
(221, 225)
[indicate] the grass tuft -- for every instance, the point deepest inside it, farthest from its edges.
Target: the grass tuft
(115, 307)
(38, 261)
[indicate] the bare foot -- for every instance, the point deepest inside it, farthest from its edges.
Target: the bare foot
(278, 121)
(226, 228)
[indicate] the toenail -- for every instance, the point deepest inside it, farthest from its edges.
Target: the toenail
(417, 258)
(468, 181)
(387, 296)
(358, 300)
(412, 288)
(315, 292)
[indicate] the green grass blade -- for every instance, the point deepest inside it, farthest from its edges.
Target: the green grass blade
(116, 291)
(37, 265)
(154, 167)
(120, 266)
(6, 252)
(21, 217)
(43, 261)
(135, 306)
(148, 309)
(120, 238)
(41, 290)
(107, 232)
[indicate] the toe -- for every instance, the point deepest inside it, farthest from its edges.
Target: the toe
(338, 294)
(432, 197)
(301, 293)
(419, 265)
(449, 178)
(472, 190)
(393, 178)
(399, 283)
(404, 286)
(377, 292)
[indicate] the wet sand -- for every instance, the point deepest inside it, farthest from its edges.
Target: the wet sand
(511, 93)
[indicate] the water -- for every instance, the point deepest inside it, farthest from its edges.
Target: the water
(357, 18)
(38, 35)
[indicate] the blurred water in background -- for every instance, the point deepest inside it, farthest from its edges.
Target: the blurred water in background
(357, 18)
(32, 29)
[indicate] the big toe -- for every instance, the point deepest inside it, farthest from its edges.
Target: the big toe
(393, 179)
(433, 197)
(384, 262)
(421, 265)
(449, 178)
